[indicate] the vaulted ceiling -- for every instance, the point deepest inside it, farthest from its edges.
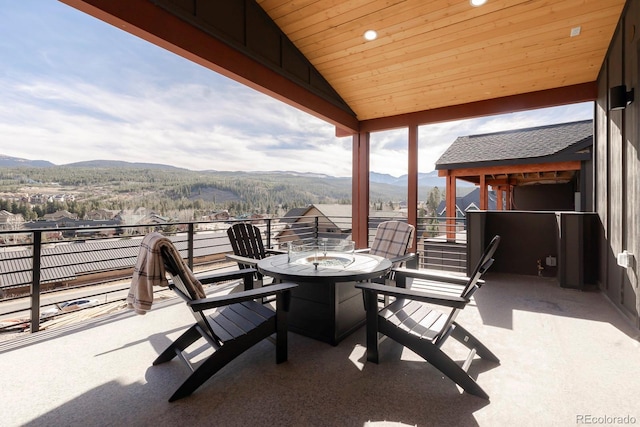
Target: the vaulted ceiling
(438, 53)
(432, 60)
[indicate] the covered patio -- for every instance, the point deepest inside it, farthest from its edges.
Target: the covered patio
(567, 358)
(429, 62)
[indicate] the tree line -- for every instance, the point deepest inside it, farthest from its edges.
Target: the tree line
(167, 190)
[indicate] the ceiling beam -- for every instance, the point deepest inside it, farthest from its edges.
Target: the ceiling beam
(583, 92)
(511, 169)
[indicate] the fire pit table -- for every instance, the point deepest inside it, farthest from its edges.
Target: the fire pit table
(326, 305)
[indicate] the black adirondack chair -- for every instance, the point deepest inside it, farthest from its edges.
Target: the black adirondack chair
(392, 241)
(248, 248)
(412, 321)
(231, 325)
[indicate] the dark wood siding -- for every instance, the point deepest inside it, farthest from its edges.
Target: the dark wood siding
(631, 157)
(617, 166)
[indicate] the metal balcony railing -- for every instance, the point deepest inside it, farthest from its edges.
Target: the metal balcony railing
(41, 269)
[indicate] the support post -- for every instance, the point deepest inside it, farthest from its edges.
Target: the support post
(452, 212)
(484, 194)
(360, 190)
(412, 184)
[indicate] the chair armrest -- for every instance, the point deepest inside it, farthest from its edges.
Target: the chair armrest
(219, 301)
(431, 276)
(242, 259)
(402, 258)
(275, 251)
(208, 278)
(393, 260)
(449, 301)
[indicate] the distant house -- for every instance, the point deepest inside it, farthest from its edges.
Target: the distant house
(10, 221)
(101, 214)
(86, 262)
(292, 215)
(334, 221)
(64, 222)
(153, 220)
(220, 216)
(60, 215)
(131, 217)
(469, 202)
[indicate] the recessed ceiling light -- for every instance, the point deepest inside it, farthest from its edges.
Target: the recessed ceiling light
(476, 3)
(370, 35)
(575, 31)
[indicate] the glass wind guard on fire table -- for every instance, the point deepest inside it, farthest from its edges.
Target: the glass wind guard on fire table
(323, 252)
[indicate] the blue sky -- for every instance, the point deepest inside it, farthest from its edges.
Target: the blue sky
(73, 88)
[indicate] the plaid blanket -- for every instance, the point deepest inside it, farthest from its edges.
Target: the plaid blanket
(392, 239)
(149, 271)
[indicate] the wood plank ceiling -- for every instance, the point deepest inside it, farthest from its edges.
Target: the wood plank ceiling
(440, 53)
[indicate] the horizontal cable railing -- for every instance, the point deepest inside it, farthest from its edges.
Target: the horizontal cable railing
(42, 269)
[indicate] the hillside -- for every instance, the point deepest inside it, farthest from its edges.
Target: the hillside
(11, 162)
(123, 185)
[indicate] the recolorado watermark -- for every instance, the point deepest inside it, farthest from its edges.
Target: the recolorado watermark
(589, 419)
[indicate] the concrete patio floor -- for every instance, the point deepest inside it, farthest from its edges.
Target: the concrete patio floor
(567, 358)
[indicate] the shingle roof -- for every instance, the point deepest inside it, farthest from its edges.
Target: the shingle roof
(341, 212)
(530, 143)
(67, 261)
(293, 214)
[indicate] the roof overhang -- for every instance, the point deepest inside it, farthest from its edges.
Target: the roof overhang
(435, 61)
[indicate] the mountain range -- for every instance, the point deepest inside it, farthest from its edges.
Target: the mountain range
(428, 179)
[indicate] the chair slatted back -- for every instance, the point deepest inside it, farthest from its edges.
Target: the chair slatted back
(392, 239)
(181, 286)
(486, 260)
(246, 240)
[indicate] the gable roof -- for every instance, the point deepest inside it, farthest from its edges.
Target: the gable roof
(552, 143)
(470, 201)
(293, 214)
(333, 210)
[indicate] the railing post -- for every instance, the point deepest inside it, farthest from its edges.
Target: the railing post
(190, 245)
(35, 281)
(317, 222)
(269, 233)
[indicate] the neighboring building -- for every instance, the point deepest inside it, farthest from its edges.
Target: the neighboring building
(76, 263)
(292, 215)
(60, 215)
(334, 220)
(64, 222)
(131, 217)
(155, 219)
(540, 168)
(10, 221)
(469, 202)
(101, 214)
(218, 216)
(154, 222)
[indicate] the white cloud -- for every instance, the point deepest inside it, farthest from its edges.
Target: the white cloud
(95, 92)
(184, 125)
